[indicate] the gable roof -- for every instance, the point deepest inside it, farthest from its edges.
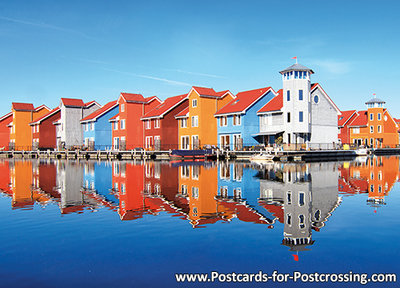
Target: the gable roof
(360, 120)
(42, 107)
(114, 118)
(346, 115)
(93, 116)
(45, 116)
(151, 99)
(71, 102)
(317, 85)
(22, 106)
(209, 92)
(165, 107)
(243, 101)
(91, 103)
(183, 114)
(6, 116)
(131, 97)
(275, 104)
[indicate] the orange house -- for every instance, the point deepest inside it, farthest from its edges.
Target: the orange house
(21, 132)
(127, 126)
(374, 127)
(197, 124)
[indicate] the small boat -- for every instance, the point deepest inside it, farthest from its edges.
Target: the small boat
(262, 158)
(362, 152)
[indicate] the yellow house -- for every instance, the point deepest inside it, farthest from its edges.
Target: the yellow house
(197, 124)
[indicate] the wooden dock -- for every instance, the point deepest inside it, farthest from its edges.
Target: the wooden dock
(284, 156)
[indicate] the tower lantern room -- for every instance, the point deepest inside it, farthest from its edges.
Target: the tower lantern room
(375, 103)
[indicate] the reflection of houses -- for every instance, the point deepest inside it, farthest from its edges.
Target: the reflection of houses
(129, 187)
(24, 194)
(69, 185)
(5, 177)
(5, 121)
(45, 178)
(97, 183)
(238, 192)
(44, 131)
(300, 203)
(373, 175)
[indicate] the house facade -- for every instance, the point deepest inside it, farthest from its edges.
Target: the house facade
(97, 130)
(127, 126)
(68, 127)
(160, 125)
(343, 120)
(238, 123)
(198, 128)
(20, 130)
(43, 130)
(5, 121)
(374, 127)
(307, 117)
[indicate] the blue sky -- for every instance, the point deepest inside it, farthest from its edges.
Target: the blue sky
(97, 49)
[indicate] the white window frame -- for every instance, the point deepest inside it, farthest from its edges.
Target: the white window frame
(157, 123)
(223, 121)
(379, 116)
(122, 107)
(194, 103)
(147, 124)
(122, 124)
(148, 142)
(184, 122)
(195, 121)
(185, 144)
(237, 120)
(92, 126)
(379, 129)
(371, 129)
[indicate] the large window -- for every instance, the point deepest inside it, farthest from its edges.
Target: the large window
(157, 123)
(223, 121)
(300, 116)
(379, 116)
(288, 95)
(237, 120)
(194, 103)
(147, 124)
(300, 95)
(184, 123)
(288, 117)
(379, 129)
(122, 124)
(371, 116)
(371, 129)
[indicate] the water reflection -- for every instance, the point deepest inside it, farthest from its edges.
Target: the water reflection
(297, 198)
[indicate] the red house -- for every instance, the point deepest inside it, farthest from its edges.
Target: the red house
(5, 130)
(160, 125)
(44, 131)
(127, 127)
(343, 124)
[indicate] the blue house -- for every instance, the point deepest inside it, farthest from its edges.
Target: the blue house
(97, 130)
(238, 122)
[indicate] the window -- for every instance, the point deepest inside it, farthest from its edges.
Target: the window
(289, 219)
(223, 121)
(115, 125)
(289, 197)
(236, 120)
(288, 117)
(87, 127)
(122, 107)
(379, 129)
(301, 221)
(195, 172)
(371, 116)
(147, 124)
(371, 141)
(195, 192)
(379, 116)
(288, 95)
(184, 190)
(194, 103)
(317, 215)
(92, 126)
(149, 141)
(122, 124)
(157, 123)
(301, 198)
(185, 142)
(184, 123)
(371, 129)
(195, 121)
(37, 128)
(300, 116)
(356, 130)
(195, 142)
(185, 170)
(316, 99)
(300, 95)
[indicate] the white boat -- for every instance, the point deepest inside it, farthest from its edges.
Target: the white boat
(262, 158)
(362, 152)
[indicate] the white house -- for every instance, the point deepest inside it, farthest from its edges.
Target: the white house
(302, 113)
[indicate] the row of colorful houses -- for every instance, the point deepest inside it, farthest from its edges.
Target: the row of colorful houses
(300, 115)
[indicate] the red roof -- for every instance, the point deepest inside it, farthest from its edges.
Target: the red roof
(183, 113)
(149, 99)
(275, 210)
(396, 120)
(129, 97)
(91, 103)
(40, 119)
(23, 106)
(222, 93)
(101, 111)
(243, 101)
(72, 102)
(342, 119)
(360, 120)
(42, 107)
(166, 106)
(6, 116)
(275, 104)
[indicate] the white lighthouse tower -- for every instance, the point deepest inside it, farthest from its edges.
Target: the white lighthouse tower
(297, 104)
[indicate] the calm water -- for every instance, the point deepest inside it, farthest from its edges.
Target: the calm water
(135, 224)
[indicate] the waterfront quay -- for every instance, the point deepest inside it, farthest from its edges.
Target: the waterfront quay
(210, 154)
